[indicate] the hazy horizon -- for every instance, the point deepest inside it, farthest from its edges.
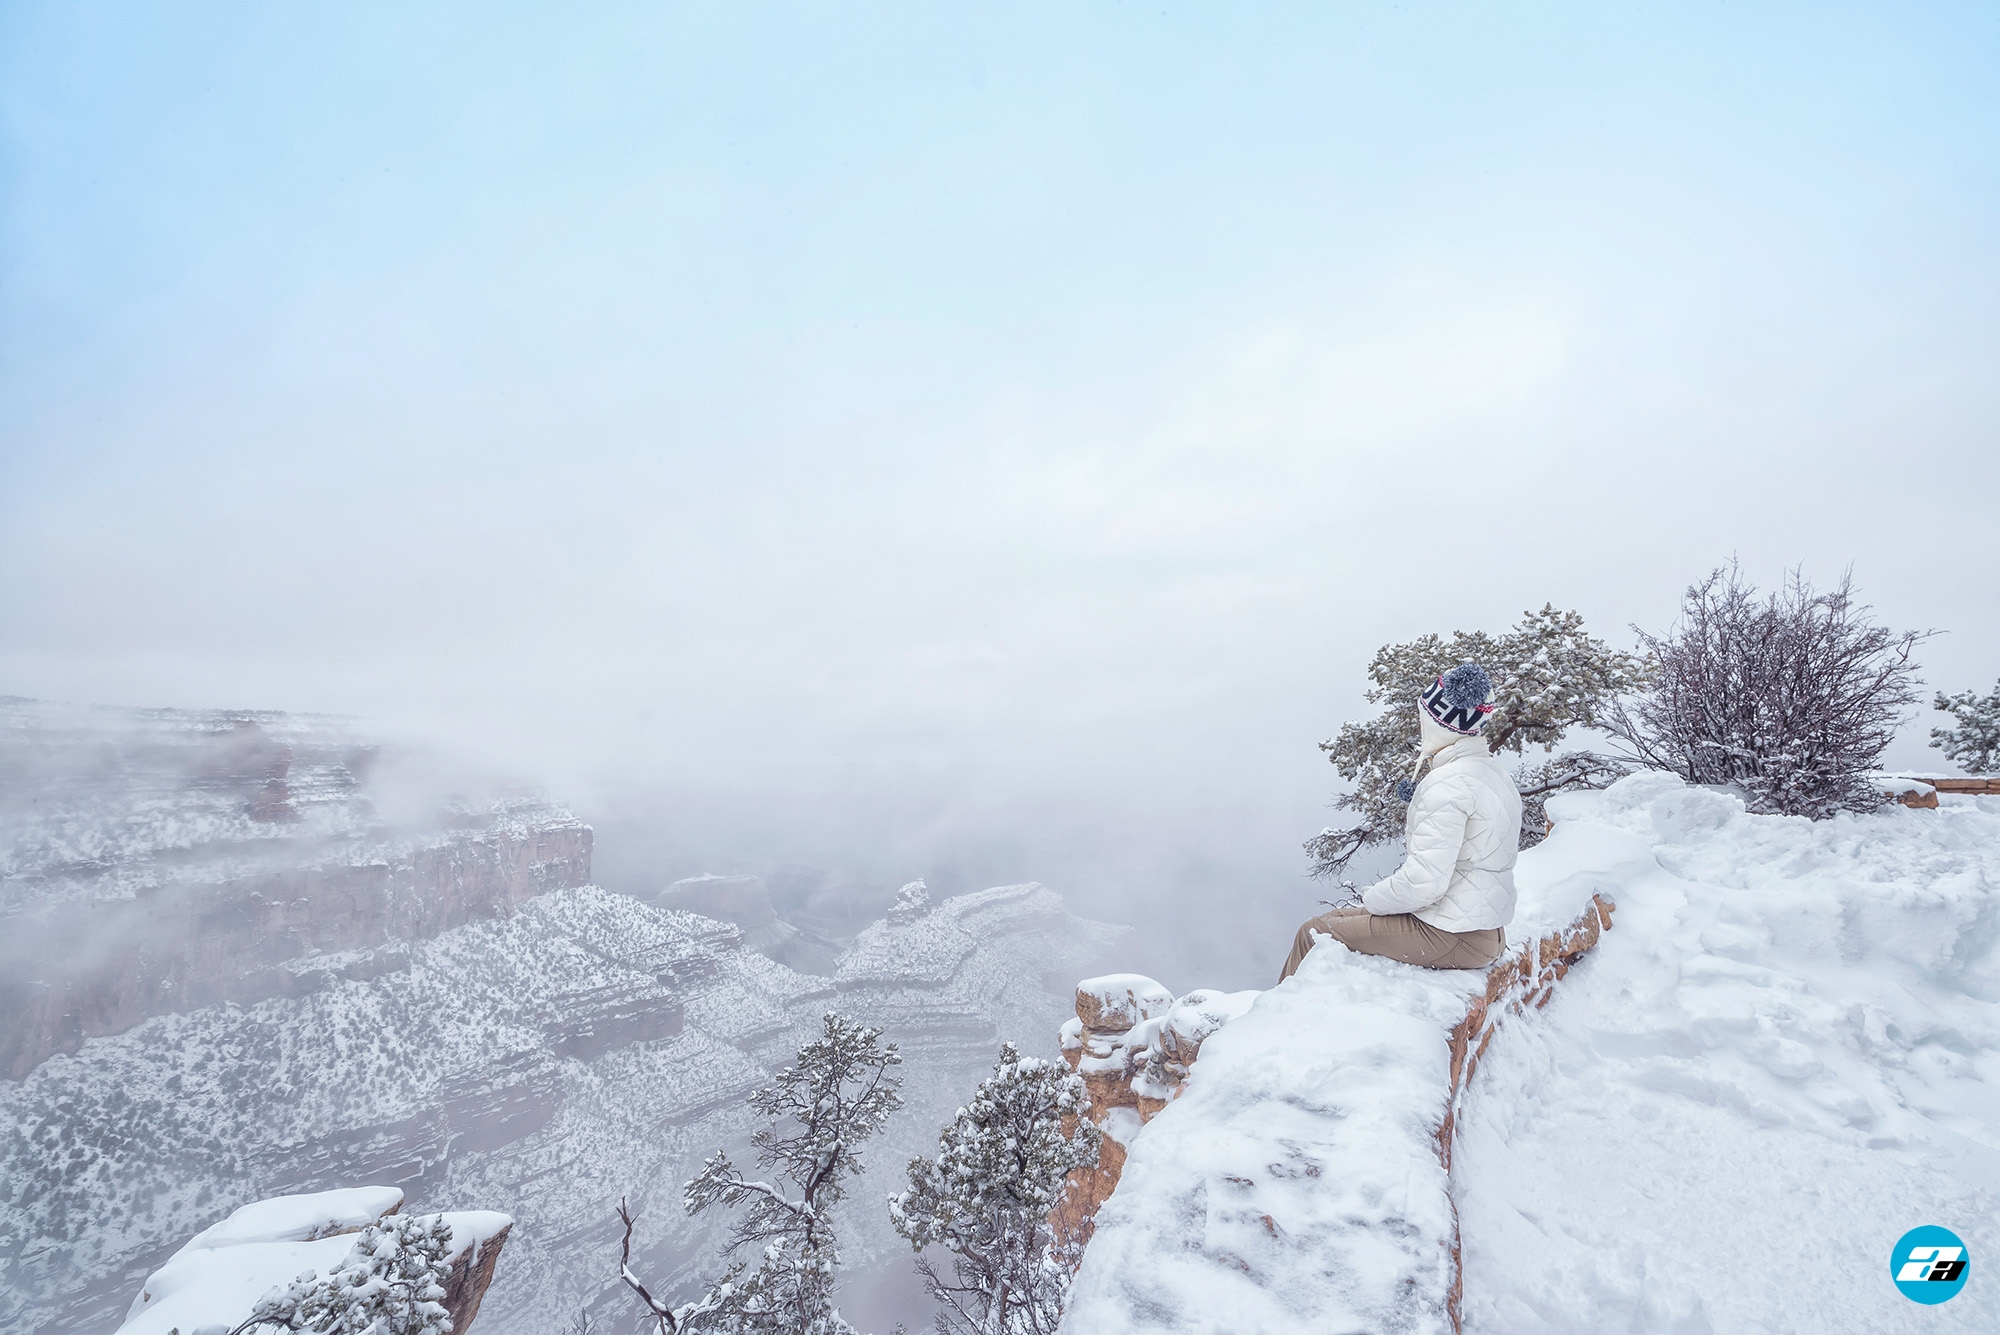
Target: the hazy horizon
(968, 440)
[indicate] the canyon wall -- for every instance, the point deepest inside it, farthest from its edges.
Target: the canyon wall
(159, 861)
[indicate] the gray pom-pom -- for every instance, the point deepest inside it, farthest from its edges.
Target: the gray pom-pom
(1467, 686)
(1405, 789)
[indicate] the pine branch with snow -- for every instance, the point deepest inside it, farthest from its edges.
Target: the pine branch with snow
(1001, 1168)
(1560, 774)
(392, 1283)
(1974, 745)
(837, 1095)
(1550, 675)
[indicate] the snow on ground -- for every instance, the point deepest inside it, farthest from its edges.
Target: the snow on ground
(1203, 1011)
(300, 1218)
(1782, 1058)
(1291, 1186)
(214, 1290)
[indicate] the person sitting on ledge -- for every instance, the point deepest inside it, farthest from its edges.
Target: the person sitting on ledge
(1448, 905)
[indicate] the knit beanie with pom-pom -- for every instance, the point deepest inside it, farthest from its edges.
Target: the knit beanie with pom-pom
(1459, 702)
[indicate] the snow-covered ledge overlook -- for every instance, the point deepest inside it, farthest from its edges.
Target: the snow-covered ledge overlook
(211, 1284)
(1782, 1002)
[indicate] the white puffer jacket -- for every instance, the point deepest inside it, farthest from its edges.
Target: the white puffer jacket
(1463, 832)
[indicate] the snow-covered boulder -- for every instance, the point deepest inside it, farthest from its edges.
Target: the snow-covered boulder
(913, 901)
(212, 1282)
(1117, 1001)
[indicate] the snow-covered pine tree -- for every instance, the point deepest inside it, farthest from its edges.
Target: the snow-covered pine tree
(1791, 698)
(986, 1198)
(392, 1283)
(1549, 676)
(1974, 745)
(838, 1094)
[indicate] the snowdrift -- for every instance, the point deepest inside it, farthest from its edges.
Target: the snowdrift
(1779, 1062)
(1783, 1059)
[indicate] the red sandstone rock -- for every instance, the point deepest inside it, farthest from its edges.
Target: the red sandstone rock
(1115, 1002)
(471, 1273)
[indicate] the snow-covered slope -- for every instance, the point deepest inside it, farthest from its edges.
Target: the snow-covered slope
(585, 1048)
(1785, 1056)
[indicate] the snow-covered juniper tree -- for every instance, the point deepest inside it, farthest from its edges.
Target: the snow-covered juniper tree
(986, 1198)
(1549, 676)
(838, 1094)
(1791, 698)
(1974, 745)
(392, 1283)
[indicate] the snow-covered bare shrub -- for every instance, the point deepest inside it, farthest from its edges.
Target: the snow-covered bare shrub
(392, 1283)
(1792, 698)
(821, 1109)
(986, 1197)
(1974, 745)
(1549, 676)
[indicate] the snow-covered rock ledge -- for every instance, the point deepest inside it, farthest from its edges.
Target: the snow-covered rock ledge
(212, 1282)
(1298, 1176)
(1794, 1034)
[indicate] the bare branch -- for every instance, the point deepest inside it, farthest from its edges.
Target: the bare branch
(663, 1314)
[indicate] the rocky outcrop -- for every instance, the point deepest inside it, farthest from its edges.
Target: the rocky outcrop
(1133, 1043)
(476, 1256)
(1096, 1044)
(213, 1281)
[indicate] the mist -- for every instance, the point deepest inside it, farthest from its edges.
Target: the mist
(853, 446)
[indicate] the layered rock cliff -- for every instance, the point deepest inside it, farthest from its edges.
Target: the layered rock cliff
(475, 1029)
(156, 861)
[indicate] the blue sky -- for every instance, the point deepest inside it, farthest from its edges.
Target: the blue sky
(1054, 404)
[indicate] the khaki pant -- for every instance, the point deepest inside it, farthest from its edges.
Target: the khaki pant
(1399, 936)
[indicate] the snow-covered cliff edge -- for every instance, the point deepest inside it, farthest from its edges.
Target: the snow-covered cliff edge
(1782, 1059)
